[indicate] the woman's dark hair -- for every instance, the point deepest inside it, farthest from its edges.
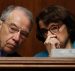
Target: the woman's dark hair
(56, 13)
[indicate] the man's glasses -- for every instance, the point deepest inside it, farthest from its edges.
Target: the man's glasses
(54, 29)
(13, 29)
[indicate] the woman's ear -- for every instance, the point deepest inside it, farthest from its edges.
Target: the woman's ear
(0, 24)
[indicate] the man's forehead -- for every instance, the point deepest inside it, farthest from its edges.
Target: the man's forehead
(17, 13)
(19, 16)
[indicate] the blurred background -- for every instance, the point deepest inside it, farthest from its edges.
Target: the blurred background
(32, 45)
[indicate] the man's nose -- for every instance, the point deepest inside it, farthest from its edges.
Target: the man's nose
(16, 36)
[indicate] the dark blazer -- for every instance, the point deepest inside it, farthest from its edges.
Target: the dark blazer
(15, 54)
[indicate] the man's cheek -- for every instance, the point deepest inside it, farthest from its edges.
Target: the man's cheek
(4, 41)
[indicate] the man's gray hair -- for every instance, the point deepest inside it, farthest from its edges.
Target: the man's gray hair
(9, 9)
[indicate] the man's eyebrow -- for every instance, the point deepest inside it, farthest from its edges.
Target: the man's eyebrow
(24, 33)
(13, 24)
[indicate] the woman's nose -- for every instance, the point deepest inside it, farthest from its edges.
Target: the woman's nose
(51, 35)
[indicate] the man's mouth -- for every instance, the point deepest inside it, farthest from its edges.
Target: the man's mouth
(12, 46)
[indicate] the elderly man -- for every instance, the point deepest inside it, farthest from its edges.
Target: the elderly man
(56, 29)
(15, 25)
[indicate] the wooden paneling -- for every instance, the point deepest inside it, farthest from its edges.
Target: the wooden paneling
(70, 5)
(5, 3)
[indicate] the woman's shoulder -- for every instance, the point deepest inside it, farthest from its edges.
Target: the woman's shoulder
(41, 54)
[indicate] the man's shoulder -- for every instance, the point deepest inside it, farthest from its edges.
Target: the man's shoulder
(14, 55)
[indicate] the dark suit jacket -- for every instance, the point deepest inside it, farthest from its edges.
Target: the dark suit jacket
(13, 55)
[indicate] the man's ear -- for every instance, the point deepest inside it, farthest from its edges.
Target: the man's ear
(0, 24)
